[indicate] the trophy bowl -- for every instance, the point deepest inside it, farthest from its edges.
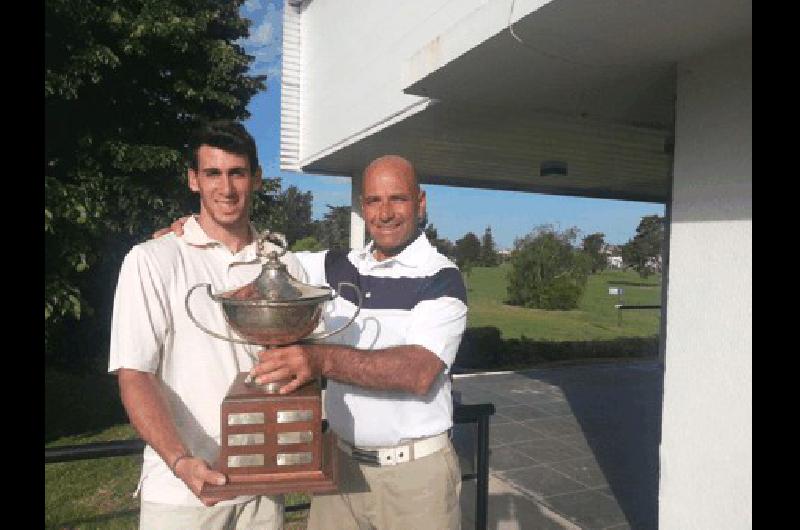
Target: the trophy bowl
(274, 309)
(272, 323)
(271, 443)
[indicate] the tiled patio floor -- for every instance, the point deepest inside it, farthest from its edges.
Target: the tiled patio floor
(570, 447)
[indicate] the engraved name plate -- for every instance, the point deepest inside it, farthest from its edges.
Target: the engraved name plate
(295, 437)
(256, 438)
(289, 459)
(245, 460)
(291, 416)
(246, 418)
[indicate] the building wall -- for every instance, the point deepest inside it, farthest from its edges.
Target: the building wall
(706, 444)
(353, 54)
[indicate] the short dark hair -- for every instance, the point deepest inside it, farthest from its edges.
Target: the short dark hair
(228, 135)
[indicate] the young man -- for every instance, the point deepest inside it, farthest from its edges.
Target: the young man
(388, 395)
(173, 376)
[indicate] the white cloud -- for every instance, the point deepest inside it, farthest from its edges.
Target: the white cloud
(262, 35)
(265, 41)
(252, 5)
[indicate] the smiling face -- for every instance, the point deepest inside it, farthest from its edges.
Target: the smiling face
(392, 205)
(225, 183)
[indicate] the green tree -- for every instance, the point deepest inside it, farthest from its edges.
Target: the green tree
(547, 272)
(489, 256)
(309, 243)
(333, 231)
(443, 245)
(287, 211)
(468, 249)
(643, 251)
(125, 81)
(593, 246)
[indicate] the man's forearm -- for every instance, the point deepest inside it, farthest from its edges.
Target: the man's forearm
(406, 368)
(149, 413)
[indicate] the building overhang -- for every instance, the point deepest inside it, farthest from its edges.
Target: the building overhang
(585, 83)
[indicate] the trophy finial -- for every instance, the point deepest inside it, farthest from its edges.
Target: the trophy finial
(273, 237)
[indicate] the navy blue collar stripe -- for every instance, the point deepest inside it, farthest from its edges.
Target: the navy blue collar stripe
(401, 293)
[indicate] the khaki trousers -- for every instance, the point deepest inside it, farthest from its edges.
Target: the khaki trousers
(259, 513)
(417, 495)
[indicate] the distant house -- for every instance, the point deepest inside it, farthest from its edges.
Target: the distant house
(614, 262)
(654, 264)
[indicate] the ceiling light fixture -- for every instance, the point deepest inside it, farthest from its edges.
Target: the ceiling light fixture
(553, 168)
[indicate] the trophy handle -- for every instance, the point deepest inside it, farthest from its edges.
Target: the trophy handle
(199, 325)
(327, 334)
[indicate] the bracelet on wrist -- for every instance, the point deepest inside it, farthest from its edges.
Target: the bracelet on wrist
(180, 457)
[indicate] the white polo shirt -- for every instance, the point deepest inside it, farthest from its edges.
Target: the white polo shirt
(152, 332)
(417, 297)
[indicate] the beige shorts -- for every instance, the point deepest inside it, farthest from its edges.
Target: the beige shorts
(419, 495)
(259, 513)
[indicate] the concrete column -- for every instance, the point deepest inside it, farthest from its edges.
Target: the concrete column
(662, 335)
(706, 451)
(357, 226)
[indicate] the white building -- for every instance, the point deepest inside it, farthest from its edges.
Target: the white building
(647, 100)
(614, 262)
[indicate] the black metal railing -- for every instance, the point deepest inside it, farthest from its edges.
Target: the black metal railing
(478, 414)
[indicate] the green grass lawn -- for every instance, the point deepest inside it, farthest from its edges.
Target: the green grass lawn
(594, 319)
(92, 494)
(79, 409)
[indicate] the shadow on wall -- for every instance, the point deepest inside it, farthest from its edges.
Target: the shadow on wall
(484, 348)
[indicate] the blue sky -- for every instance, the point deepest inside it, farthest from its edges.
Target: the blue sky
(510, 214)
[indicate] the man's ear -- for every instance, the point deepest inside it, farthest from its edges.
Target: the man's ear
(192, 178)
(259, 181)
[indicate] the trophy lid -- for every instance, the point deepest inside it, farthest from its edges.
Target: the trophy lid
(275, 284)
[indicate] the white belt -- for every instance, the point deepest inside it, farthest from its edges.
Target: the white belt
(390, 456)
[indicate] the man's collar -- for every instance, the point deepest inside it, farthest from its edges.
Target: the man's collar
(194, 234)
(414, 255)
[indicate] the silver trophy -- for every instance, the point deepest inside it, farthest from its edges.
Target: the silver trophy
(273, 443)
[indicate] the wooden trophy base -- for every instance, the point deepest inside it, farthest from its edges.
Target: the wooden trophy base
(272, 444)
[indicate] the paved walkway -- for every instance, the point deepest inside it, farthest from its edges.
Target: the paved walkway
(570, 447)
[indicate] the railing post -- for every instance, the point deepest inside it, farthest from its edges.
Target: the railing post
(482, 486)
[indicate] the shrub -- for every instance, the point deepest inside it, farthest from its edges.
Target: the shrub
(309, 243)
(479, 348)
(546, 271)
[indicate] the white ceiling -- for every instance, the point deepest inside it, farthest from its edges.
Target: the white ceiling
(592, 83)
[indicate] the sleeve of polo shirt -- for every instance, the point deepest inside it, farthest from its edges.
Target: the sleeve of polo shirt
(314, 265)
(438, 321)
(140, 322)
(294, 267)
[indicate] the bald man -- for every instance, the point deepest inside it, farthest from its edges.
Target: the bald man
(388, 395)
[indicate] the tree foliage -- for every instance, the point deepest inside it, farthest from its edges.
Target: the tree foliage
(333, 231)
(468, 250)
(593, 246)
(287, 211)
(443, 245)
(489, 256)
(643, 251)
(125, 81)
(309, 244)
(547, 272)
